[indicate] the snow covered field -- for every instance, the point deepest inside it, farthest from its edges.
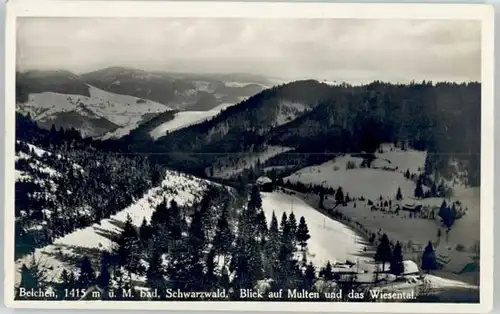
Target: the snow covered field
(335, 242)
(186, 118)
(384, 181)
(122, 110)
(330, 240)
(67, 251)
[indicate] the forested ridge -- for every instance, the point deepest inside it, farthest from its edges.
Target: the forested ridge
(83, 185)
(444, 119)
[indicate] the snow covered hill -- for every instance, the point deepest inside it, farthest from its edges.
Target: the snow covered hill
(382, 178)
(414, 231)
(93, 116)
(330, 240)
(68, 250)
(186, 118)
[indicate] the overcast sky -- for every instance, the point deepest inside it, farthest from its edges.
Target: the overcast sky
(343, 50)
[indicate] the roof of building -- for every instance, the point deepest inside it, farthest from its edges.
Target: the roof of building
(263, 180)
(410, 267)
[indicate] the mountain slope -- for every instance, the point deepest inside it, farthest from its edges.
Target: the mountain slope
(186, 118)
(319, 120)
(69, 248)
(94, 115)
(179, 91)
(60, 81)
(256, 116)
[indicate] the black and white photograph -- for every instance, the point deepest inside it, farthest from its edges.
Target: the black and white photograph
(249, 159)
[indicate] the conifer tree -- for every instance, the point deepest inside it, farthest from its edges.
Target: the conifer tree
(224, 237)
(321, 199)
(210, 275)
(145, 233)
(67, 282)
(176, 221)
(128, 251)
(407, 174)
(255, 201)
(434, 190)
(339, 196)
(429, 258)
(310, 276)
(224, 280)
(30, 277)
(399, 195)
(240, 264)
(326, 272)
(262, 224)
(384, 252)
(196, 244)
(397, 266)
(273, 244)
(303, 233)
(442, 209)
(284, 222)
(104, 277)
(273, 227)
(154, 273)
(292, 222)
(86, 276)
(419, 191)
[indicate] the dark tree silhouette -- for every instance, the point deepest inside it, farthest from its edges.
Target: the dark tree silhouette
(429, 258)
(86, 275)
(384, 252)
(397, 266)
(399, 195)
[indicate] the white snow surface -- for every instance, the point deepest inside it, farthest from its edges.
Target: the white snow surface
(394, 157)
(330, 240)
(123, 110)
(186, 118)
(373, 183)
(367, 182)
(183, 188)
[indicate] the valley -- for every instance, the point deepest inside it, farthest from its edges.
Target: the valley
(300, 185)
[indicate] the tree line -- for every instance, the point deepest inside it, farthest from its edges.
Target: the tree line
(88, 185)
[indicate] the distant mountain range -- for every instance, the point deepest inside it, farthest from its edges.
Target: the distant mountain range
(111, 102)
(314, 121)
(200, 120)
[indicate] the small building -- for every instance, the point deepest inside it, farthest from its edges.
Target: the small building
(265, 184)
(410, 268)
(412, 207)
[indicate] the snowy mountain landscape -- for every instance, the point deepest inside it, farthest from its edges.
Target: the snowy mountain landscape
(240, 159)
(391, 219)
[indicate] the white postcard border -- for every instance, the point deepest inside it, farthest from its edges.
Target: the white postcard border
(46, 8)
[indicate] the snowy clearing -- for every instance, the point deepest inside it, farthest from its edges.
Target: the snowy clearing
(186, 118)
(457, 246)
(366, 182)
(330, 240)
(122, 110)
(394, 157)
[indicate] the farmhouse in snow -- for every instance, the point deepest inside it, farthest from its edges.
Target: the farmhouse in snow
(265, 184)
(412, 207)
